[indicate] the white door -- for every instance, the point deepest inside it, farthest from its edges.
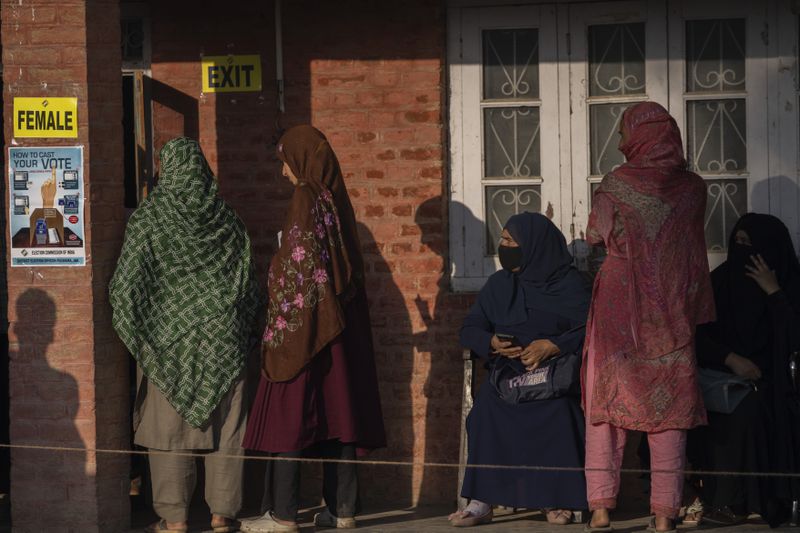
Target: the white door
(618, 57)
(718, 95)
(506, 158)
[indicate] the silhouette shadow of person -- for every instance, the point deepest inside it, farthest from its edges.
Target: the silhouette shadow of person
(392, 336)
(439, 340)
(49, 415)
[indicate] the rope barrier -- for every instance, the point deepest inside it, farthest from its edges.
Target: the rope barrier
(373, 462)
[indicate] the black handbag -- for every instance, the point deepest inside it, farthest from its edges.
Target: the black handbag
(722, 391)
(553, 378)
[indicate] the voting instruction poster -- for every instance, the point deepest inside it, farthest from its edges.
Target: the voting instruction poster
(45, 189)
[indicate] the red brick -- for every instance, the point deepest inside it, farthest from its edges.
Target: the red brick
(387, 192)
(418, 154)
(403, 210)
(399, 136)
(415, 117)
(57, 35)
(339, 81)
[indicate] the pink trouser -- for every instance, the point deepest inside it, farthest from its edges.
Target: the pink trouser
(605, 445)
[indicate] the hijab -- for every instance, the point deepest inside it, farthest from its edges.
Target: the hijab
(184, 293)
(319, 267)
(742, 304)
(546, 281)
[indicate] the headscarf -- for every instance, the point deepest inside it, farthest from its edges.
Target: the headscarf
(546, 281)
(660, 208)
(319, 266)
(741, 303)
(184, 292)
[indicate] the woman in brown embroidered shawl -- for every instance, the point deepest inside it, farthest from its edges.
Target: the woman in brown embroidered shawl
(318, 394)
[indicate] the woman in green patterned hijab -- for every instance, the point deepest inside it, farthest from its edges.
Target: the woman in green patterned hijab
(185, 298)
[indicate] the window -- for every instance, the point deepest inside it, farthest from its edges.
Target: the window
(537, 93)
(135, 37)
(716, 128)
(512, 170)
(507, 113)
(719, 99)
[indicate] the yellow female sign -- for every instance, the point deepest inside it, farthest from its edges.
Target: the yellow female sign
(45, 117)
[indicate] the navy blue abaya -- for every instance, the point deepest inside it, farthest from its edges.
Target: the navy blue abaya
(546, 298)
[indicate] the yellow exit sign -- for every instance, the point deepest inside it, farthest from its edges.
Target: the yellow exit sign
(228, 74)
(45, 117)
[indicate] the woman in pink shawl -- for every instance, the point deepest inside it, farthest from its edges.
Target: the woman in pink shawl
(651, 292)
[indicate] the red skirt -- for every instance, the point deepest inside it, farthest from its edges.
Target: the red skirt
(334, 397)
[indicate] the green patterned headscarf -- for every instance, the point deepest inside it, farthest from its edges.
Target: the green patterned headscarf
(184, 292)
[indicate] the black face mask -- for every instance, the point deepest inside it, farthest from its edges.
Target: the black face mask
(739, 256)
(510, 258)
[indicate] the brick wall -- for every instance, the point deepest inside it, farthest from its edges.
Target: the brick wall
(371, 76)
(68, 376)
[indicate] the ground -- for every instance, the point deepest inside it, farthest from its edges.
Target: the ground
(434, 519)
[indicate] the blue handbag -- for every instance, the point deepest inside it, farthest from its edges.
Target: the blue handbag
(553, 378)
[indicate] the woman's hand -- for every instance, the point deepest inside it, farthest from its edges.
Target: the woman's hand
(505, 348)
(762, 275)
(536, 352)
(742, 366)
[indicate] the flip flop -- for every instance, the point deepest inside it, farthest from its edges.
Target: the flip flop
(652, 527)
(472, 520)
(588, 528)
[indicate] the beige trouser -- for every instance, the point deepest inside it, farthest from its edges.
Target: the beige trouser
(174, 478)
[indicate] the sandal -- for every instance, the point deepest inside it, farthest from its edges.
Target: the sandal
(694, 514)
(470, 520)
(161, 527)
(589, 528)
(652, 527)
(558, 517)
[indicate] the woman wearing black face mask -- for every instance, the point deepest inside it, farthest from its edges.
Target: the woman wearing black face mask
(757, 294)
(540, 301)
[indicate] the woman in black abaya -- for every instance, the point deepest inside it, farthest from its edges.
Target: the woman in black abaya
(757, 293)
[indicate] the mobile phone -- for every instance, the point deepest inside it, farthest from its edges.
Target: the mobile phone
(505, 337)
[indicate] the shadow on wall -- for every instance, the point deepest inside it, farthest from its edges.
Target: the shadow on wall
(392, 335)
(52, 398)
(182, 109)
(438, 341)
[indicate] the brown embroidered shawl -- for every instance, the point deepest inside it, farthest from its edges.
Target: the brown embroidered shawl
(319, 266)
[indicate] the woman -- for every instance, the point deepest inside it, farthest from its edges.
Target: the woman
(757, 291)
(319, 393)
(542, 301)
(185, 298)
(650, 294)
